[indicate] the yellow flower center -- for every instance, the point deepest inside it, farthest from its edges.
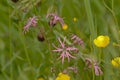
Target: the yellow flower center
(40, 79)
(74, 19)
(65, 27)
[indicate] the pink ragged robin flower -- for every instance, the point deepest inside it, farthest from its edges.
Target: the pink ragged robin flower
(77, 40)
(54, 18)
(65, 51)
(74, 69)
(32, 22)
(93, 64)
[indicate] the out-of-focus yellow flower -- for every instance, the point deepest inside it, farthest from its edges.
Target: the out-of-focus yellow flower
(116, 62)
(102, 41)
(40, 79)
(74, 19)
(62, 76)
(65, 27)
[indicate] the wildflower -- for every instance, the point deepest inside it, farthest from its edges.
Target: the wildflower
(93, 64)
(74, 19)
(40, 79)
(31, 22)
(116, 62)
(65, 50)
(62, 76)
(77, 40)
(64, 27)
(54, 19)
(74, 69)
(102, 41)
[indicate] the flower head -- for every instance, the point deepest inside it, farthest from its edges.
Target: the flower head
(54, 19)
(116, 62)
(77, 40)
(62, 76)
(102, 41)
(74, 19)
(74, 69)
(65, 27)
(93, 64)
(40, 78)
(65, 51)
(32, 21)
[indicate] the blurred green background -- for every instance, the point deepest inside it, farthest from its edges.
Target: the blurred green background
(23, 57)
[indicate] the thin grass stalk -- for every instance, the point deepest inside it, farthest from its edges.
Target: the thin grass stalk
(10, 47)
(91, 26)
(90, 18)
(24, 46)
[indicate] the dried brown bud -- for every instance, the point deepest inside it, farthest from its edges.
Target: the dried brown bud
(40, 36)
(15, 1)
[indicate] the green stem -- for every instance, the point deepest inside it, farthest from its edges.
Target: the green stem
(10, 48)
(100, 58)
(100, 77)
(92, 28)
(111, 10)
(90, 18)
(112, 5)
(93, 72)
(24, 46)
(100, 55)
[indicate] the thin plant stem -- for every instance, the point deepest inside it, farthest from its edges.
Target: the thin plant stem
(90, 18)
(10, 47)
(111, 10)
(100, 77)
(93, 73)
(92, 28)
(24, 46)
(112, 5)
(100, 58)
(100, 55)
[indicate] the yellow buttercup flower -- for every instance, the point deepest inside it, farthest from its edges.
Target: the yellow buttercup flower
(62, 76)
(102, 41)
(74, 19)
(116, 62)
(65, 27)
(40, 79)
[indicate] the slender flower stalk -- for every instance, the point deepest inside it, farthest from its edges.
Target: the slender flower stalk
(74, 69)
(32, 21)
(65, 51)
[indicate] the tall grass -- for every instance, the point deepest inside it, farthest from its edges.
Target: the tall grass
(24, 57)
